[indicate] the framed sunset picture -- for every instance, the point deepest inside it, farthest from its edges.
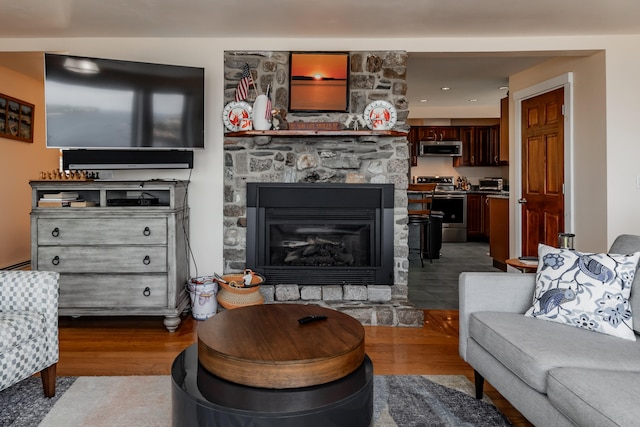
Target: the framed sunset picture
(319, 81)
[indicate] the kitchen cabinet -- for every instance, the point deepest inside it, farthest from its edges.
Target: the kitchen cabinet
(467, 139)
(480, 144)
(495, 146)
(414, 140)
(474, 216)
(475, 146)
(439, 133)
(478, 217)
(486, 215)
(503, 156)
(499, 231)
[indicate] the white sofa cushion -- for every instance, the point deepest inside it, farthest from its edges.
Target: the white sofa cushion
(626, 244)
(530, 348)
(19, 327)
(585, 290)
(595, 397)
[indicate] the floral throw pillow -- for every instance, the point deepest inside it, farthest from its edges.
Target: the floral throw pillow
(585, 290)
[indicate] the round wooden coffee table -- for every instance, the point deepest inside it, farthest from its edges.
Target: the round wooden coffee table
(267, 345)
(272, 346)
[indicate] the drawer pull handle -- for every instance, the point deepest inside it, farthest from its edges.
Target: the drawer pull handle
(146, 292)
(55, 260)
(146, 231)
(146, 260)
(55, 232)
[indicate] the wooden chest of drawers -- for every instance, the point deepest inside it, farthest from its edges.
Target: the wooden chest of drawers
(115, 260)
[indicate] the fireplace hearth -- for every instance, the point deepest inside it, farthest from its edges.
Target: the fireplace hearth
(321, 234)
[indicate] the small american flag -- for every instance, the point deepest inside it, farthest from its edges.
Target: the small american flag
(267, 114)
(243, 85)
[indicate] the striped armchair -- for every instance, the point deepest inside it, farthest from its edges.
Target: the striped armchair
(28, 327)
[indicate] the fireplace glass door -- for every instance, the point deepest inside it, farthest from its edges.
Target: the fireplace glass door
(321, 233)
(314, 244)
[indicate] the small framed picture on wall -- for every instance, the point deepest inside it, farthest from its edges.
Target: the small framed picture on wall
(16, 119)
(319, 82)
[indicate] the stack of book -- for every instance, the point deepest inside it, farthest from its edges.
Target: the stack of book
(528, 260)
(63, 199)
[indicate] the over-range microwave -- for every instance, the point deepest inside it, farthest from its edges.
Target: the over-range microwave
(441, 148)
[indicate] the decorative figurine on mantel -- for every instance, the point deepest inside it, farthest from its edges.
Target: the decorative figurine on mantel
(280, 119)
(356, 119)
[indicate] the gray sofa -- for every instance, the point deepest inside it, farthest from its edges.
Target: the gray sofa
(555, 375)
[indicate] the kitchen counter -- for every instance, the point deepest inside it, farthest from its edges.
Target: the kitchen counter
(488, 193)
(501, 195)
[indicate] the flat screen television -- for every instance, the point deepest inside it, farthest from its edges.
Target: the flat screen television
(319, 82)
(117, 107)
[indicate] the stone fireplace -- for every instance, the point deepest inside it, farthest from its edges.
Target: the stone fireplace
(323, 159)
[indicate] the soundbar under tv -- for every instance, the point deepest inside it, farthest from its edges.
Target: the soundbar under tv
(126, 159)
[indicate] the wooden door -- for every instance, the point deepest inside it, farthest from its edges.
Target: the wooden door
(542, 170)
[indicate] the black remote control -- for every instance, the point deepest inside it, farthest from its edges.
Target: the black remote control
(312, 318)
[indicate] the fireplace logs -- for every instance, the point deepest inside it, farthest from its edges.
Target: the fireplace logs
(321, 233)
(317, 251)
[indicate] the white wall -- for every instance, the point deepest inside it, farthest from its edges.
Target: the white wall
(205, 193)
(623, 146)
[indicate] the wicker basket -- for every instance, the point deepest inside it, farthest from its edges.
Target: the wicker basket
(233, 292)
(235, 282)
(231, 300)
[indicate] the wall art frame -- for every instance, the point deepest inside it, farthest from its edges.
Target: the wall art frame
(319, 82)
(16, 119)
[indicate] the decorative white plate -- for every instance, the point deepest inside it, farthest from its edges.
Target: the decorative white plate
(237, 116)
(380, 115)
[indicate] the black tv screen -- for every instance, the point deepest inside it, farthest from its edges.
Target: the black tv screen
(94, 103)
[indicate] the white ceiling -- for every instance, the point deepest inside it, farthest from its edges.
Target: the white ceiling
(329, 18)
(469, 76)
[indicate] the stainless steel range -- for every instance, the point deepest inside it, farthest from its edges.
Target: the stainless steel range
(453, 203)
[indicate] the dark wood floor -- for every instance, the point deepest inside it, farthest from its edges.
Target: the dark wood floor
(142, 346)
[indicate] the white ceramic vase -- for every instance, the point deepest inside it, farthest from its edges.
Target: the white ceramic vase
(260, 121)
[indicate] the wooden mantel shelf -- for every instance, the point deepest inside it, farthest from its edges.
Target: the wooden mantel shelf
(301, 132)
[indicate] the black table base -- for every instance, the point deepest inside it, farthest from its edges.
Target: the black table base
(200, 398)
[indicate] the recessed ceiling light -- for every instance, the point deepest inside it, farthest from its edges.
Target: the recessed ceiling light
(423, 100)
(445, 88)
(503, 87)
(473, 100)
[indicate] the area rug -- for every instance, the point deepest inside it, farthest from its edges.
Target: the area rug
(145, 401)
